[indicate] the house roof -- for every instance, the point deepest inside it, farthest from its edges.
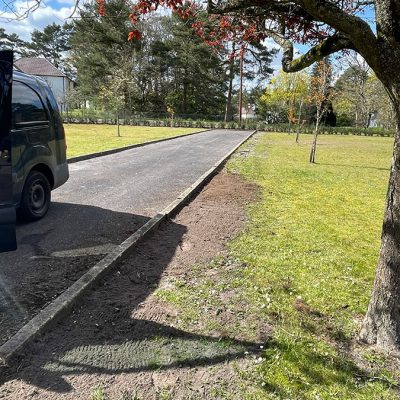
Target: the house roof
(37, 66)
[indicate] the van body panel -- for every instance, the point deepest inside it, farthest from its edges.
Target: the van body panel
(61, 175)
(38, 140)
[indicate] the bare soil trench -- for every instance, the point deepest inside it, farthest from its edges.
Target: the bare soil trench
(124, 342)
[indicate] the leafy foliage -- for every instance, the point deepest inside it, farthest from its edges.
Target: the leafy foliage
(285, 96)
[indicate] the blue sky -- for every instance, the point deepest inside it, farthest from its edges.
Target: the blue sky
(49, 11)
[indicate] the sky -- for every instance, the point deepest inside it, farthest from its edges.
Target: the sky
(49, 11)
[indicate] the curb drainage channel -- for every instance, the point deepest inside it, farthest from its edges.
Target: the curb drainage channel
(63, 303)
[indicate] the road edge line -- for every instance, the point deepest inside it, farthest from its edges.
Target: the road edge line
(64, 302)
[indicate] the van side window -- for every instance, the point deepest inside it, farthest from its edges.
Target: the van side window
(26, 105)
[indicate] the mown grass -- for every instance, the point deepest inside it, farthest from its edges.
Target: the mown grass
(92, 138)
(312, 244)
(305, 265)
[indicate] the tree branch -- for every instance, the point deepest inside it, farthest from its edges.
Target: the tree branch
(353, 27)
(328, 12)
(327, 47)
(256, 7)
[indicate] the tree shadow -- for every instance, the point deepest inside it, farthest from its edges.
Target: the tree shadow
(53, 253)
(309, 368)
(109, 334)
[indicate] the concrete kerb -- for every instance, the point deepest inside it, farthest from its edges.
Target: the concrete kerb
(132, 146)
(63, 303)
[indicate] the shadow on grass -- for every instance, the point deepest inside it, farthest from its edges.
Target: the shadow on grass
(307, 365)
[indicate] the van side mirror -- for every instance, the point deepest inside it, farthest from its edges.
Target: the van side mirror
(8, 240)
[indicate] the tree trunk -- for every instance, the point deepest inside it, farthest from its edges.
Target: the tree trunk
(241, 86)
(314, 146)
(300, 124)
(314, 142)
(381, 326)
(229, 108)
(298, 134)
(184, 106)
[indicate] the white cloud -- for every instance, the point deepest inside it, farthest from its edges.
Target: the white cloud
(38, 19)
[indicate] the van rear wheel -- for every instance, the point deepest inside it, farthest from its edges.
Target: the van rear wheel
(36, 197)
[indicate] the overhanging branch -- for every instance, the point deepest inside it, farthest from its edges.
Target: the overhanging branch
(327, 12)
(327, 47)
(255, 7)
(349, 25)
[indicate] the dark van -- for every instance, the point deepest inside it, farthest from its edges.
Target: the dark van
(38, 146)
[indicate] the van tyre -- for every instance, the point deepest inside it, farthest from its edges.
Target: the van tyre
(36, 197)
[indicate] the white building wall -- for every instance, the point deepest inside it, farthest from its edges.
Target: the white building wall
(59, 85)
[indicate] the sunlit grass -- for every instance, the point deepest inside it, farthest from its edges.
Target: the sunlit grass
(93, 138)
(304, 265)
(312, 245)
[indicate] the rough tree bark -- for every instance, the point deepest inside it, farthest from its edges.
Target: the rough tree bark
(381, 324)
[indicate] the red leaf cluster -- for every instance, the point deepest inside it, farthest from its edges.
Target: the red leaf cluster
(135, 34)
(100, 5)
(219, 29)
(185, 9)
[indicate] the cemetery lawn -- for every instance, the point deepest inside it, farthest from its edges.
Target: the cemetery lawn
(304, 265)
(92, 138)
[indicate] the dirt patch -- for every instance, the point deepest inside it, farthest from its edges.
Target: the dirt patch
(125, 342)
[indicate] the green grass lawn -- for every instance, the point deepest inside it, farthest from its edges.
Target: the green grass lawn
(312, 246)
(306, 263)
(92, 138)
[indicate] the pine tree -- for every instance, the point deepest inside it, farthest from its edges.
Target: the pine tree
(52, 43)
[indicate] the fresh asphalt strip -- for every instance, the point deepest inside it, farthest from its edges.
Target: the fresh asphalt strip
(63, 303)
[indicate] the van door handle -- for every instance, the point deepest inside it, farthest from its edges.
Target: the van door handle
(4, 154)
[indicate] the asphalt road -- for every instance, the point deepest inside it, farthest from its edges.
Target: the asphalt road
(105, 200)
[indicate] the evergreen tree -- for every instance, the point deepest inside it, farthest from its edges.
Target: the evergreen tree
(198, 80)
(12, 42)
(52, 43)
(101, 53)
